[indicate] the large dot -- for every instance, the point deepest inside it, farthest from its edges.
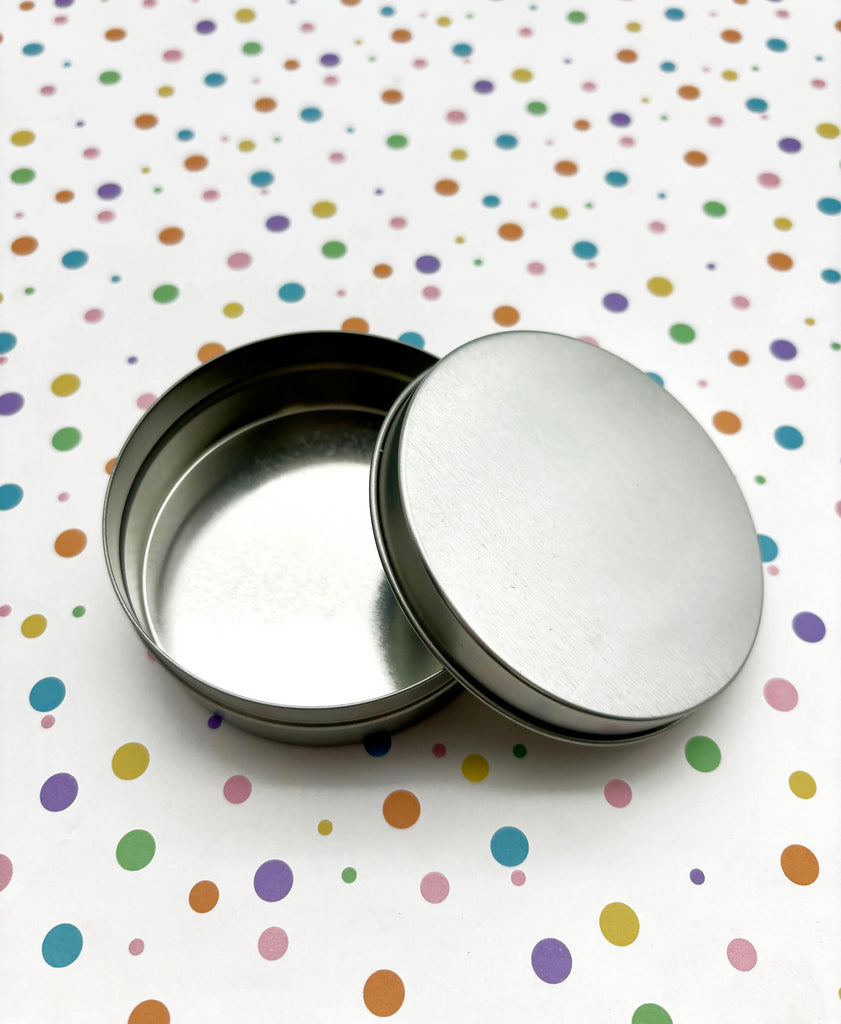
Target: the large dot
(617, 792)
(650, 1013)
(506, 316)
(273, 943)
(47, 694)
(65, 384)
(59, 792)
(619, 924)
(401, 809)
(237, 789)
(434, 887)
(62, 945)
(6, 871)
(802, 785)
(808, 627)
(727, 422)
(273, 880)
(509, 846)
(780, 694)
(475, 768)
(130, 761)
(702, 753)
(10, 403)
(788, 437)
(70, 543)
(204, 896)
(799, 864)
(33, 626)
(11, 495)
(551, 961)
(660, 286)
(135, 850)
(66, 438)
(383, 993)
(741, 954)
(165, 293)
(150, 1011)
(291, 292)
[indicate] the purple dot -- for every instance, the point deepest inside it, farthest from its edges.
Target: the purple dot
(551, 961)
(273, 880)
(783, 349)
(277, 223)
(109, 191)
(59, 792)
(808, 627)
(620, 119)
(696, 876)
(206, 27)
(10, 403)
(483, 86)
(615, 302)
(428, 264)
(64, 3)
(790, 145)
(214, 721)
(330, 60)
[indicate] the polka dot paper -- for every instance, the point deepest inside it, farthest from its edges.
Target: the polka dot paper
(181, 179)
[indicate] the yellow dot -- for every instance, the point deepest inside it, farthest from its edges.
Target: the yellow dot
(324, 208)
(475, 768)
(460, 239)
(827, 130)
(633, 26)
(165, 90)
(659, 286)
(33, 625)
(22, 138)
(325, 827)
(130, 761)
(245, 14)
(521, 75)
(233, 309)
(458, 154)
(145, 170)
(729, 76)
(803, 785)
(783, 224)
(809, 321)
(246, 146)
(65, 384)
(559, 212)
(443, 21)
(619, 924)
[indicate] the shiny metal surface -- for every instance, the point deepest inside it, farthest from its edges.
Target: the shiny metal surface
(237, 534)
(566, 537)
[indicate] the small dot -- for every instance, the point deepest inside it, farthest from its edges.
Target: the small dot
(617, 792)
(325, 827)
(697, 877)
(518, 877)
(439, 750)
(349, 875)
(136, 947)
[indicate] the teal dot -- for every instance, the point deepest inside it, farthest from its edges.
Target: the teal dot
(413, 338)
(756, 105)
(310, 114)
(462, 49)
(22, 175)
(349, 875)
(185, 135)
(7, 342)
(491, 201)
(32, 49)
(656, 378)
(585, 250)
(509, 846)
(165, 293)
(714, 209)
(214, 79)
(616, 178)
(702, 753)
(777, 45)
(109, 77)
(333, 250)
(668, 66)
(10, 496)
(506, 141)
(74, 259)
(251, 48)
(830, 275)
(768, 549)
(62, 945)
(66, 438)
(674, 14)
(291, 291)
(262, 178)
(829, 205)
(397, 141)
(536, 107)
(47, 694)
(788, 437)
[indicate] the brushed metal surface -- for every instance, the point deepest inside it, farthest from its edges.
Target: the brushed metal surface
(566, 537)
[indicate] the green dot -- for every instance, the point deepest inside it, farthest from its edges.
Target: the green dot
(29, 291)
(22, 175)
(519, 750)
(165, 293)
(349, 875)
(702, 753)
(478, 263)
(333, 250)
(577, 17)
(682, 333)
(835, 345)
(397, 141)
(66, 438)
(537, 107)
(650, 1013)
(78, 611)
(251, 48)
(109, 77)
(759, 479)
(135, 850)
(714, 209)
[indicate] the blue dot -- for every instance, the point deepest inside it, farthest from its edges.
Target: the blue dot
(829, 205)
(668, 66)
(47, 694)
(278, 222)
(768, 549)
(10, 496)
(74, 259)
(214, 79)
(509, 846)
(585, 250)
(33, 49)
(506, 141)
(616, 178)
(491, 201)
(185, 135)
(310, 114)
(757, 105)
(62, 945)
(674, 14)
(830, 275)
(656, 378)
(412, 338)
(291, 291)
(777, 45)
(7, 342)
(788, 437)
(386, 12)
(377, 744)
(262, 178)
(462, 49)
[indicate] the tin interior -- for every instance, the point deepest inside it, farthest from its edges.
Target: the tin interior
(239, 539)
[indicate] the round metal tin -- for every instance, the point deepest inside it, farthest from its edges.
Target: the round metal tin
(237, 536)
(565, 537)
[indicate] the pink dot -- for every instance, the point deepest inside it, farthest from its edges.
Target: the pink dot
(6, 871)
(331, 80)
(308, 27)
(239, 260)
(617, 792)
(773, 570)
(398, 222)
(64, 496)
(588, 339)
(780, 694)
(431, 292)
(341, 293)
(526, 32)
(518, 877)
(782, 14)
(434, 887)
(150, 3)
(237, 789)
(456, 117)
(438, 749)
(627, 141)
(91, 153)
(768, 180)
(589, 86)
(795, 381)
(837, 512)
(741, 954)
(702, 383)
(93, 316)
(419, 63)
(337, 158)
(145, 400)
(172, 56)
(136, 947)
(715, 121)
(47, 90)
(211, 195)
(105, 216)
(818, 83)
(273, 943)
(48, 721)
(6, 609)
(536, 268)
(657, 226)
(740, 302)
(60, 19)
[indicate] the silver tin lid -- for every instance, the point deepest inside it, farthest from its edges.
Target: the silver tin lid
(565, 537)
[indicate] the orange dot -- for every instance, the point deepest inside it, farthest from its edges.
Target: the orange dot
(27, 5)
(582, 124)
(150, 1011)
(70, 543)
(204, 896)
(627, 56)
(391, 96)
(446, 187)
(195, 163)
(730, 35)
(510, 232)
(695, 158)
(566, 167)
(799, 865)
(350, 3)
(384, 991)
(739, 358)
(727, 422)
(780, 261)
(145, 120)
(210, 350)
(401, 35)
(114, 35)
(64, 196)
(291, 65)
(265, 104)
(355, 323)
(382, 270)
(109, 466)
(25, 245)
(401, 809)
(689, 92)
(171, 236)
(506, 316)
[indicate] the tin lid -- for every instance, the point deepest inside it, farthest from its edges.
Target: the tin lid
(565, 537)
